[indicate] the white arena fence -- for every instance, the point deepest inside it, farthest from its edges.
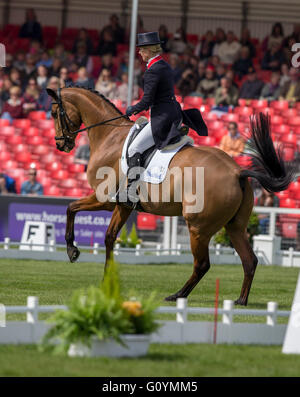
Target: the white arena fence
(180, 331)
(273, 247)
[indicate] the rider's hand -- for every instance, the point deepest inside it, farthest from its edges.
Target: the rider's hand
(129, 111)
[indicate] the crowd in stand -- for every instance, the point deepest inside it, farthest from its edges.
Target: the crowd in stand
(220, 66)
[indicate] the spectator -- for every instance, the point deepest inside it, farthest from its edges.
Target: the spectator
(243, 63)
(220, 38)
(220, 71)
(105, 84)
(122, 90)
(45, 60)
(163, 35)
(246, 42)
(138, 73)
(44, 101)
(228, 51)
(30, 69)
(273, 58)
(287, 51)
(107, 44)
(276, 36)
(207, 86)
(123, 65)
(214, 61)
(233, 143)
(178, 45)
(82, 154)
(64, 79)
(31, 96)
(42, 76)
(8, 63)
(83, 80)
(6, 86)
(59, 52)
(230, 75)
(15, 77)
(290, 91)
(83, 36)
(187, 83)
(285, 74)
(204, 48)
(13, 108)
(56, 66)
(107, 63)
(251, 89)
(7, 184)
(200, 71)
(271, 90)
(118, 33)
(32, 187)
(266, 199)
(226, 95)
(82, 59)
(174, 62)
(31, 29)
(19, 62)
(295, 35)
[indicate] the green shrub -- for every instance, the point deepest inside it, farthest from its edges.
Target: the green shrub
(130, 241)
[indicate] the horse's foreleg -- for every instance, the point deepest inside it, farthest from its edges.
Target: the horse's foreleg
(89, 203)
(119, 217)
(201, 266)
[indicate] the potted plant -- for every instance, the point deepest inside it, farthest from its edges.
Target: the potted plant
(99, 322)
(130, 241)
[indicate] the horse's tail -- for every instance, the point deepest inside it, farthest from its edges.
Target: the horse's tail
(267, 166)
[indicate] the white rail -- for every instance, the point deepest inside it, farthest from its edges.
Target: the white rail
(182, 330)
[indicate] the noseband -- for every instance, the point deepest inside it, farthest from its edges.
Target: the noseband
(65, 121)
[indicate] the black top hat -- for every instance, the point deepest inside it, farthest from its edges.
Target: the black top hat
(149, 38)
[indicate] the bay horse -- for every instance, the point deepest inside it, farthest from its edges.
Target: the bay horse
(228, 196)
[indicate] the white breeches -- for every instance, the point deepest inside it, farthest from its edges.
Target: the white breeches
(142, 142)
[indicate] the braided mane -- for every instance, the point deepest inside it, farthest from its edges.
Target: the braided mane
(99, 95)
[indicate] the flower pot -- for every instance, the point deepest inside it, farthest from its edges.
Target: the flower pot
(136, 345)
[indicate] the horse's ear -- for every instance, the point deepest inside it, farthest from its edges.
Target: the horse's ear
(52, 94)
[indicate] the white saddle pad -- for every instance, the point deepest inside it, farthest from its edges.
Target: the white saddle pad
(158, 166)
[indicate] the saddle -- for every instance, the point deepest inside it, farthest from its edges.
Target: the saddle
(148, 154)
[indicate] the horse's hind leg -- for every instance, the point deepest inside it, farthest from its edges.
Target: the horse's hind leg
(89, 203)
(249, 260)
(201, 266)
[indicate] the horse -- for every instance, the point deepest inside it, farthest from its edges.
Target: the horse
(228, 196)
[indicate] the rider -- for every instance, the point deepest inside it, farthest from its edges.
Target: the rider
(166, 115)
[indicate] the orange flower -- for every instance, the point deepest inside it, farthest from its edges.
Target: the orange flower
(134, 308)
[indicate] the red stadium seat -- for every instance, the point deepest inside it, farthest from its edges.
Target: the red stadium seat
(218, 134)
(281, 129)
(68, 183)
(279, 105)
(146, 221)
(40, 150)
(289, 140)
(289, 229)
(76, 168)
(22, 123)
(50, 158)
(267, 111)
(37, 115)
(59, 174)
(35, 140)
(53, 166)
(294, 188)
(216, 125)
(23, 157)
(283, 194)
(243, 161)
(31, 131)
(193, 101)
(75, 192)
(288, 203)
(4, 123)
(4, 156)
(288, 154)
(230, 117)
(205, 109)
(278, 120)
(206, 140)
(7, 131)
(20, 148)
(294, 121)
(45, 124)
(52, 191)
(243, 111)
(48, 132)
(210, 101)
(14, 140)
(259, 103)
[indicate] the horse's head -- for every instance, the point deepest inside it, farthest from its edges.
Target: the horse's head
(67, 120)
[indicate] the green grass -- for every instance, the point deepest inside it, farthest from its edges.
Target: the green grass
(162, 360)
(54, 282)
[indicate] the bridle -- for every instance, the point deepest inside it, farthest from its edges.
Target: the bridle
(67, 135)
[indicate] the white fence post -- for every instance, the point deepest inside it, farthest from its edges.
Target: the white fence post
(166, 240)
(218, 247)
(291, 256)
(116, 250)
(178, 249)
(272, 313)
(174, 234)
(95, 250)
(181, 317)
(227, 318)
(138, 250)
(158, 248)
(6, 243)
(52, 246)
(32, 303)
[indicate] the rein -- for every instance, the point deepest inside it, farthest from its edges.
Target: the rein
(64, 120)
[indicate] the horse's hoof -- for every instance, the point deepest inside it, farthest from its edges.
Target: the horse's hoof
(73, 254)
(171, 298)
(240, 302)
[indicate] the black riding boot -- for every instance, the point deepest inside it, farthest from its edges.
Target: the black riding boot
(129, 197)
